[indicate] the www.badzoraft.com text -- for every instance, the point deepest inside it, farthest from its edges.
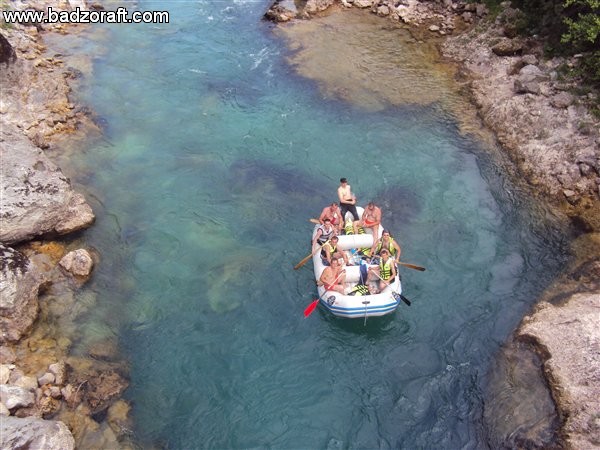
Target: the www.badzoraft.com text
(121, 15)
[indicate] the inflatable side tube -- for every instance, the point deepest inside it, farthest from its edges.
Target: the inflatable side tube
(349, 241)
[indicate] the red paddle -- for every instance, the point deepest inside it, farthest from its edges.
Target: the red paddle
(310, 308)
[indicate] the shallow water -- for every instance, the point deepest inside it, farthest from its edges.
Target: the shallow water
(215, 153)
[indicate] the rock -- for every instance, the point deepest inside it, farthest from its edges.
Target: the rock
(529, 60)
(19, 286)
(78, 262)
(7, 354)
(481, 10)
(281, 12)
(35, 197)
(525, 86)
(59, 370)
(562, 100)
(7, 53)
(363, 3)
(315, 6)
(4, 410)
(118, 417)
(72, 395)
(47, 378)
(557, 331)
(15, 397)
(507, 47)
(5, 372)
(32, 433)
(434, 28)
(103, 388)
(383, 11)
(27, 382)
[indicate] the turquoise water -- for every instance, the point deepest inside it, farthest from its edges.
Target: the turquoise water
(214, 155)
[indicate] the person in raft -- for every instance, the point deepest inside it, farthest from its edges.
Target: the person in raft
(388, 243)
(371, 218)
(329, 249)
(347, 199)
(332, 212)
(333, 277)
(386, 271)
(324, 233)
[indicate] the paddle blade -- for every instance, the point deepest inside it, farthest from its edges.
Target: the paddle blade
(310, 308)
(301, 263)
(412, 266)
(405, 300)
(315, 221)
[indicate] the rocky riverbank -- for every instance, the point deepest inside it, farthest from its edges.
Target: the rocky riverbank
(52, 396)
(544, 125)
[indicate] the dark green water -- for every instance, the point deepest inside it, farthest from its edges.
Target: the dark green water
(215, 154)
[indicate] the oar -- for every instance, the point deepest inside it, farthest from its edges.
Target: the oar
(315, 221)
(304, 260)
(394, 293)
(310, 308)
(412, 266)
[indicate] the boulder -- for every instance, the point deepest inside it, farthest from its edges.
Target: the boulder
(572, 375)
(35, 197)
(32, 433)
(15, 396)
(562, 100)
(507, 47)
(7, 53)
(315, 6)
(78, 262)
(20, 283)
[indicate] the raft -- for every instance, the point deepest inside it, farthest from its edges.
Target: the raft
(356, 306)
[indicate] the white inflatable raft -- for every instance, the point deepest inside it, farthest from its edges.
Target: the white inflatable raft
(357, 306)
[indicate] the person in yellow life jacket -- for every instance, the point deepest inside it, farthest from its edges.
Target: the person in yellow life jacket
(361, 289)
(329, 249)
(386, 271)
(386, 242)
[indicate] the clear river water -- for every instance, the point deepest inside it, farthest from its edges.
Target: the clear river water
(217, 148)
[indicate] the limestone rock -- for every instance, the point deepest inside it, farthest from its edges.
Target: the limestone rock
(557, 331)
(19, 287)
(15, 396)
(32, 433)
(507, 47)
(562, 100)
(7, 53)
(315, 6)
(78, 262)
(35, 197)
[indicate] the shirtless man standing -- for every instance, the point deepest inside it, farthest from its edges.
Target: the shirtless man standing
(347, 199)
(371, 218)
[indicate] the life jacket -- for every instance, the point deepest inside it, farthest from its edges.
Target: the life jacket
(390, 247)
(359, 289)
(348, 227)
(366, 250)
(332, 249)
(324, 235)
(385, 269)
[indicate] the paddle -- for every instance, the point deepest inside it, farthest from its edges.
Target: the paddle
(304, 260)
(310, 308)
(411, 266)
(394, 293)
(315, 221)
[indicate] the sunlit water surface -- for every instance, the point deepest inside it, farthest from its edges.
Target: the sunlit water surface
(215, 155)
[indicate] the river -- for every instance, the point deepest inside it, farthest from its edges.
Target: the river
(220, 141)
